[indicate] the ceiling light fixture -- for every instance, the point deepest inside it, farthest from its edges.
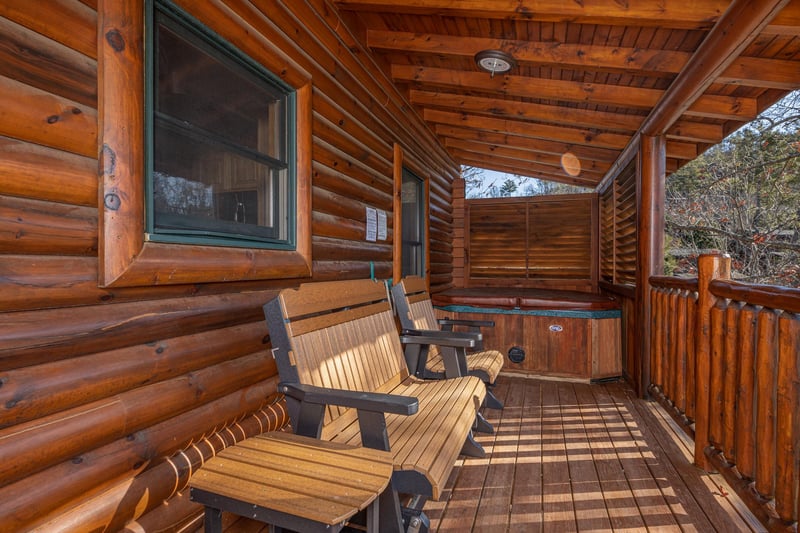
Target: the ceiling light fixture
(495, 61)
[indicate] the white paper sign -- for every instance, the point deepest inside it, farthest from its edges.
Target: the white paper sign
(381, 225)
(372, 224)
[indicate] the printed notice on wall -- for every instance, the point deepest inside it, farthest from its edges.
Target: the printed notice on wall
(372, 224)
(381, 225)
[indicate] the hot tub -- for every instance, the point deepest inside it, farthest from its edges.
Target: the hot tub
(544, 332)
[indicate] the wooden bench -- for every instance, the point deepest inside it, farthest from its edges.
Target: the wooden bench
(292, 482)
(415, 312)
(343, 372)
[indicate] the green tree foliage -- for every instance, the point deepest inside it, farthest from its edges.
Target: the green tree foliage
(743, 197)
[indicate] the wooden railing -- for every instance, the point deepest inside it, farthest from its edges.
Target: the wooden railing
(724, 360)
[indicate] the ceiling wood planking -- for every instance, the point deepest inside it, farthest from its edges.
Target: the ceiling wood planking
(682, 14)
(599, 155)
(592, 57)
(588, 74)
(528, 111)
(590, 168)
(711, 106)
(513, 167)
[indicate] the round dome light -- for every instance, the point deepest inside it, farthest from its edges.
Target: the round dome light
(494, 61)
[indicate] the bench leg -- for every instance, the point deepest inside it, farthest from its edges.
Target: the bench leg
(482, 425)
(212, 520)
(390, 518)
(472, 449)
(491, 401)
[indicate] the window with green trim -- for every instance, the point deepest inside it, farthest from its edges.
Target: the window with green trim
(221, 165)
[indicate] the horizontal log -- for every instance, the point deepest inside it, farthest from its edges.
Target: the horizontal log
(330, 249)
(37, 227)
(37, 391)
(86, 330)
(671, 282)
(38, 61)
(34, 446)
(335, 114)
(332, 134)
(331, 203)
(29, 282)
(769, 296)
(151, 461)
(337, 172)
(33, 171)
(335, 270)
(80, 33)
(36, 116)
(180, 513)
(339, 227)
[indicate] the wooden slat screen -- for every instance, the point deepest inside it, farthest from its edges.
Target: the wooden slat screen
(497, 245)
(536, 238)
(618, 239)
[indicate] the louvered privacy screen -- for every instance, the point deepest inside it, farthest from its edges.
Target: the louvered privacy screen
(618, 228)
(539, 238)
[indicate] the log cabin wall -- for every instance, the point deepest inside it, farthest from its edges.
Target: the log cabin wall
(110, 396)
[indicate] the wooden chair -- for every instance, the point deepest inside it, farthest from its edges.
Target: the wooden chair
(415, 311)
(343, 372)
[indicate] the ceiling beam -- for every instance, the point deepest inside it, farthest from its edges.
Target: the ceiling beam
(588, 168)
(579, 136)
(707, 106)
(541, 146)
(638, 61)
(737, 28)
(528, 111)
(512, 167)
(666, 14)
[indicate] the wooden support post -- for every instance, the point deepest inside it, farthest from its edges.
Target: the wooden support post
(650, 251)
(709, 268)
(397, 218)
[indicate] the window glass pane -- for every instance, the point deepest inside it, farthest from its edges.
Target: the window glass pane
(413, 259)
(220, 149)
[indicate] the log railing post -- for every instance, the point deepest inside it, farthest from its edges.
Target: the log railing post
(709, 268)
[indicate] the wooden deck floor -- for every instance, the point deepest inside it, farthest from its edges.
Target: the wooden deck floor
(579, 457)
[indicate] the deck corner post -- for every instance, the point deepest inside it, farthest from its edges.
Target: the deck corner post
(650, 249)
(709, 267)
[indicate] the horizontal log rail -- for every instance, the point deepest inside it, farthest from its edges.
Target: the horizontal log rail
(724, 361)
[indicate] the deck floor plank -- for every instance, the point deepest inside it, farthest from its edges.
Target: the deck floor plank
(578, 457)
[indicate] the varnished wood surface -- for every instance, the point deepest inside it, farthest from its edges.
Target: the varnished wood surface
(571, 457)
(313, 479)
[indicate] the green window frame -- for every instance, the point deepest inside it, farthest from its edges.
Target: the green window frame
(220, 140)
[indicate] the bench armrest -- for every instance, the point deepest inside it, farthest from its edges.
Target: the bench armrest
(440, 338)
(367, 401)
(452, 347)
(465, 322)
(310, 402)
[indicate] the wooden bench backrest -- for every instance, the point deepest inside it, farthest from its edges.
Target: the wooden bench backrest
(340, 335)
(420, 313)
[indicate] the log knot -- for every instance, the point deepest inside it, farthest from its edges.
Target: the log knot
(115, 39)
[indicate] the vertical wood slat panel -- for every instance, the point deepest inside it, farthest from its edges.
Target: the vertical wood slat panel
(672, 341)
(766, 356)
(788, 419)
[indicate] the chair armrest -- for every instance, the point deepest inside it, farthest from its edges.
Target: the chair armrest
(439, 338)
(371, 407)
(365, 401)
(465, 322)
